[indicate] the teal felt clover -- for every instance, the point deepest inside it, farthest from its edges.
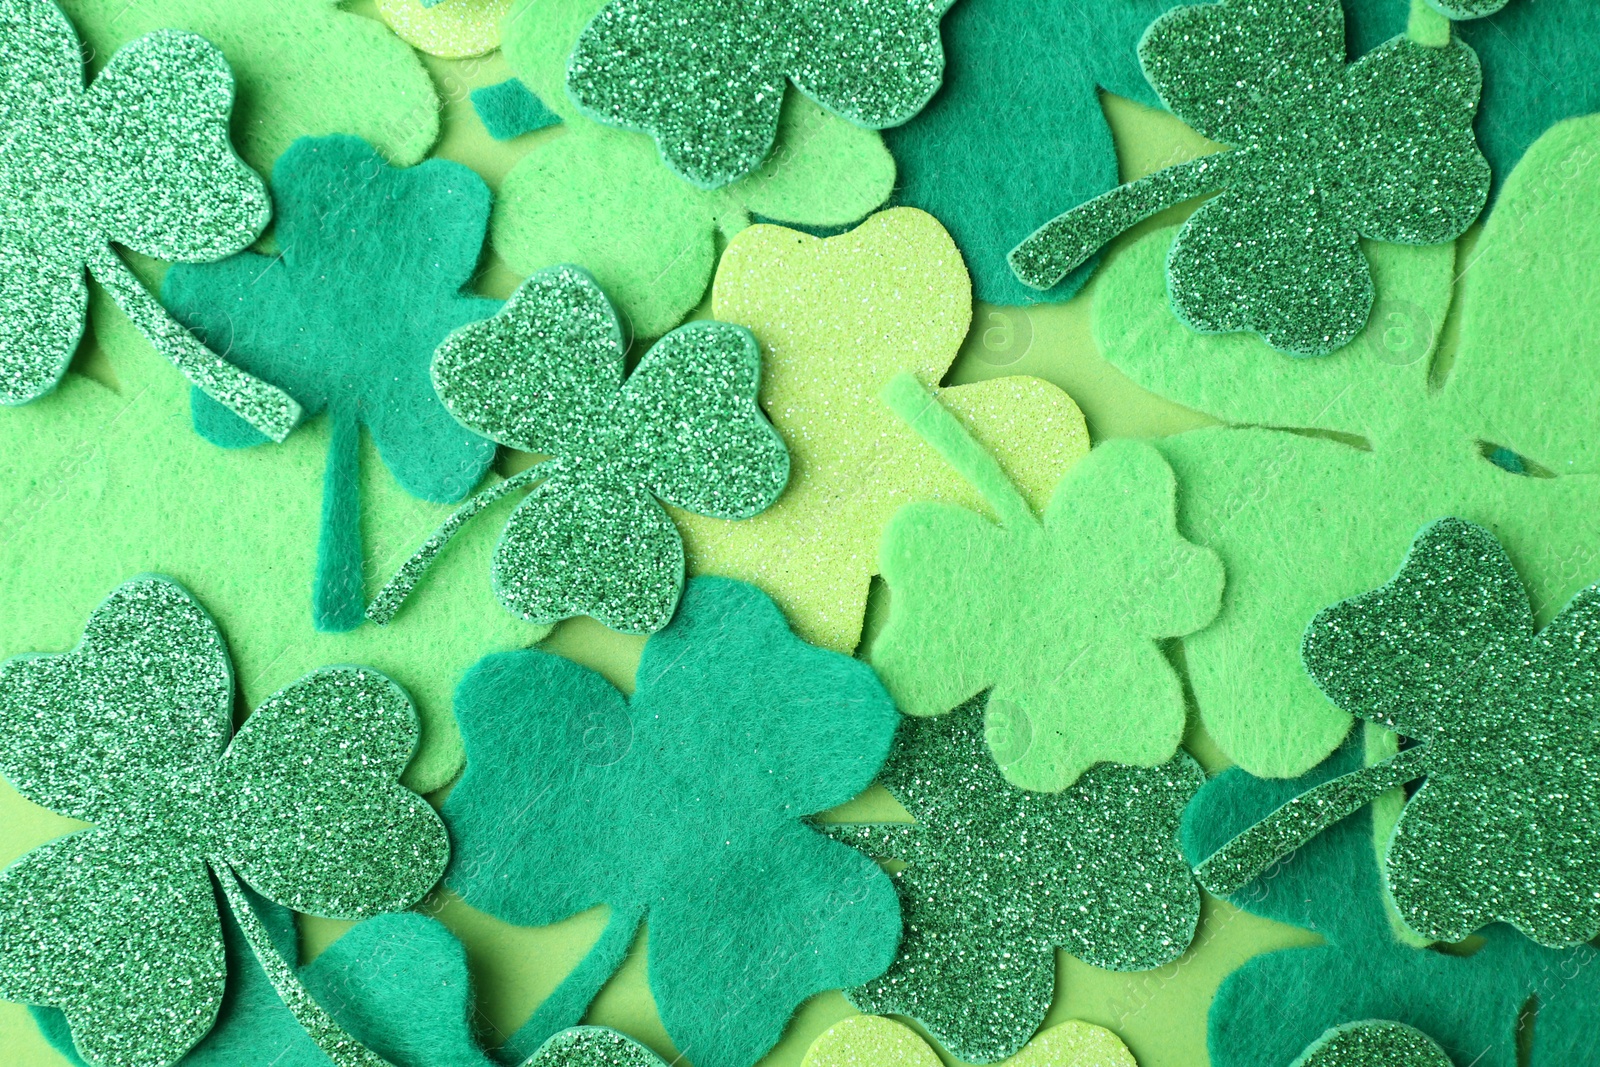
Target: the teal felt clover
(682, 807)
(117, 926)
(546, 375)
(367, 280)
(706, 78)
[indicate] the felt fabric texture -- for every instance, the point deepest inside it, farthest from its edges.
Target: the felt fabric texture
(837, 318)
(681, 807)
(368, 279)
(873, 1041)
(232, 526)
(1394, 451)
(994, 879)
(1068, 687)
(1320, 153)
(1374, 1044)
(510, 109)
(455, 29)
(601, 197)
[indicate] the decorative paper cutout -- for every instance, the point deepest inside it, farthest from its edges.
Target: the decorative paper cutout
(995, 879)
(367, 281)
(454, 29)
(1374, 1044)
(602, 197)
(130, 731)
(546, 375)
(593, 1046)
(873, 1041)
(1321, 153)
(508, 109)
(1059, 616)
(837, 318)
(681, 806)
(1388, 451)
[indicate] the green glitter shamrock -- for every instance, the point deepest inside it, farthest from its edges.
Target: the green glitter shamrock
(682, 807)
(995, 879)
(1374, 1044)
(546, 375)
(141, 157)
(593, 1046)
(706, 78)
(117, 925)
(1320, 154)
(1505, 719)
(1060, 615)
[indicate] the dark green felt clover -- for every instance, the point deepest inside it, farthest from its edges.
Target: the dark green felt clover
(546, 375)
(140, 157)
(683, 807)
(117, 926)
(367, 281)
(1374, 1043)
(997, 878)
(706, 78)
(1320, 154)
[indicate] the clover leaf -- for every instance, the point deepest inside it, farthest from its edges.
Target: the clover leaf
(1374, 1044)
(454, 29)
(682, 806)
(995, 879)
(117, 925)
(593, 1046)
(367, 281)
(873, 1041)
(837, 318)
(1320, 153)
(601, 197)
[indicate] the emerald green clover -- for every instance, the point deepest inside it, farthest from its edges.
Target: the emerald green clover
(1374, 1044)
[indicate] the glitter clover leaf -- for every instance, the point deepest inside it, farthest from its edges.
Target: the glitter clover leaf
(1320, 153)
(140, 157)
(593, 1046)
(546, 375)
(1374, 1043)
(117, 926)
(996, 879)
(598, 196)
(682, 807)
(873, 1041)
(367, 281)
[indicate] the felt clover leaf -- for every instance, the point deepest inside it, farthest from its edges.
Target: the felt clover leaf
(837, 318)
(995, 879)
(367, 281)
(873, 1041)
(1374, 1044)
(1319, 154)
(682, 807)
(602, 198)
(546, 375)
(141, 157)
(117, 926)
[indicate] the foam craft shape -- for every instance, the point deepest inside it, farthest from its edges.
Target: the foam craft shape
(117, 925)
(1466, 9)
(601, 197)
(1067, 609)
(1270, 1009)
(231, 525)
(593, 1046)
(368, 279)
(995, 879)
(453, 29)
(681, 807)
(873, 1041)
(1374, 1043)
(837, 318)
(546, 375)
(510, 109)
(1320, 153)
(1372, 434)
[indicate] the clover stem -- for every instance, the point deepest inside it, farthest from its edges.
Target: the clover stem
(330, 1037)
(338, 599)
(1240, 861)
(1058, 247)
(932, 422)
(266, 407)
(569, 1003)
(392, 595)
(1426, 26)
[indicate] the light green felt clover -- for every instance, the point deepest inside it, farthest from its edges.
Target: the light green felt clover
(117, 925)
(1391, 435)
(600, 197)
(1058, 616)
(1374, 1044)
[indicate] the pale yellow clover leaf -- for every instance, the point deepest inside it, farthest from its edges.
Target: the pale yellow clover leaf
(602, 198)
(454, 29)
(874, 1041)
(837, 318)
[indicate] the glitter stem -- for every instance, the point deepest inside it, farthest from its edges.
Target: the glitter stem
(266, 407)
(1242, 860)
(337, 598)
(932, 422)
(392, 595)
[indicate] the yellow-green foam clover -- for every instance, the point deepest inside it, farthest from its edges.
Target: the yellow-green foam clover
(873, 1041)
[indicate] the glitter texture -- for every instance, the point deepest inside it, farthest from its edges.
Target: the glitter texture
(873, 1041)
(1374, 1044)
(1321, 153)
(129, 731)
(454, 29)
(706, 78)
(995, 879)
(142, 158)
(593, 1046)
